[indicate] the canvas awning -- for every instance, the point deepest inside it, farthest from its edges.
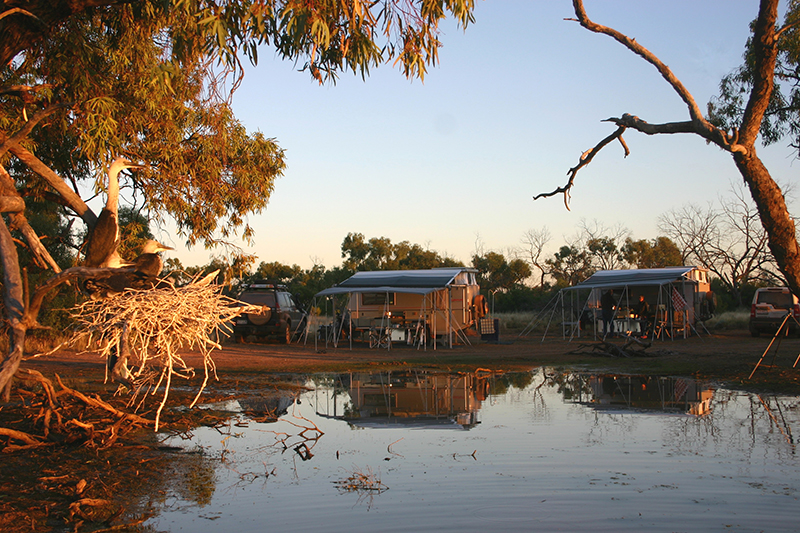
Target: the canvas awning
(623, 278)
(403, 281)
(350, 290)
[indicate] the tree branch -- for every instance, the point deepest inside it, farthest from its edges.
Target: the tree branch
(20, 222)
(585, 159)
(644, 53)
(700, 125)
(31, 313)
(28, 127)
(56, 182)
(765, 53)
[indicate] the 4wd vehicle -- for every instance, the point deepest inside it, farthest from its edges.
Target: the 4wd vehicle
(770, 307)
(280, 316)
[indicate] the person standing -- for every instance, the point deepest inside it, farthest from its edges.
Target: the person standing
(608, 305)
(643, 313)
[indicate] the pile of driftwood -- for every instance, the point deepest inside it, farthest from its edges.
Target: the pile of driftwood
(62, 415)
(632, 347)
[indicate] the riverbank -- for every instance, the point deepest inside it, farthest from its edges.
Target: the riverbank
(728, 357)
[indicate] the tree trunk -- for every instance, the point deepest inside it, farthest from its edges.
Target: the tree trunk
(774, 215)
(15, 309)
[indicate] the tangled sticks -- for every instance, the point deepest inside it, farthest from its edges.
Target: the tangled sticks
(147, 328)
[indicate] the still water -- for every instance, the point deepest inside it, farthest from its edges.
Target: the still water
(536, 451)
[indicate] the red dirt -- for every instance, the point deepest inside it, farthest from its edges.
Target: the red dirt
(728, 356)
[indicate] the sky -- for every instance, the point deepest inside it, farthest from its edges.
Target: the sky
(452, 164)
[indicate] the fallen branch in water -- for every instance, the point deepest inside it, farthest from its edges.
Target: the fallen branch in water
(360, 481)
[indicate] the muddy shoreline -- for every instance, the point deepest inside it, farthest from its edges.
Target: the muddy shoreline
(727, 357)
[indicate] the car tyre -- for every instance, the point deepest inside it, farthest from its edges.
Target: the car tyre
(754, 332)
(286, 335)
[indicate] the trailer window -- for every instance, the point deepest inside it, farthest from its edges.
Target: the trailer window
(377, 298)
(465, 278)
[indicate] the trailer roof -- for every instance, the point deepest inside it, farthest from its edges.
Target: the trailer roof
(643, 276)
(404, 281)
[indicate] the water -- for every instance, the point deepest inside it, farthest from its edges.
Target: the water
(538, 451)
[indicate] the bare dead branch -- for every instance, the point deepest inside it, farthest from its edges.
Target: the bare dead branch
(697, 125)
(585, 159)
(647, 55)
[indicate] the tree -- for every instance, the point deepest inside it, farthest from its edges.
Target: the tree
(729, 241)
(604, 245)
(659, 253)
(570, 265)
(496, 273)
(84, 81)
(276, 271)
(534, 242)
(326, 37)
(739, 133)
(378, 253)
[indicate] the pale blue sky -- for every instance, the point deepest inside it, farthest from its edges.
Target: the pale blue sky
(513, 103)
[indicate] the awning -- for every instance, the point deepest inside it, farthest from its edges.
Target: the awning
(403, 281)
(435, 277)
(643, 276)
(349, 290)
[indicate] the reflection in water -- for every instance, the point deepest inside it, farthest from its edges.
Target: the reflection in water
(545, 450)
(666, 394)
(413, 399)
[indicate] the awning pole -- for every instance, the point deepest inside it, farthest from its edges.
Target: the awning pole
(450, 316)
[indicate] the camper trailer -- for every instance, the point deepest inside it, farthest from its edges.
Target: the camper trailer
(434, 302)
(677, 297)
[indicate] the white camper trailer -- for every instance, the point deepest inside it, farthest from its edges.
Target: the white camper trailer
(409, 303)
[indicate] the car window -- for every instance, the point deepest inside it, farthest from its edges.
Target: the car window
(284, 300)
(259, 298)
(782, 300)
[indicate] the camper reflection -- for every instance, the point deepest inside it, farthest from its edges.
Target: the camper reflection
(418, 399)
(683, 395)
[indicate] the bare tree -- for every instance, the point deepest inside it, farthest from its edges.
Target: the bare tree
(729, 240)
(533, 243)
(739, 142)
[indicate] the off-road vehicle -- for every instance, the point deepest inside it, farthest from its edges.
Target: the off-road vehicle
(280, 316)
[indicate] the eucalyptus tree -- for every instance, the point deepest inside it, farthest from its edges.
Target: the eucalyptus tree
(85, 81)
(496, 273)
(657, 253)
(570, 265)
(751, 102)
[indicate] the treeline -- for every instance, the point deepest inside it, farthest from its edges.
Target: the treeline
(726, 238)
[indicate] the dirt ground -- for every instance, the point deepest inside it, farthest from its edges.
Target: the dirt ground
(727, 357)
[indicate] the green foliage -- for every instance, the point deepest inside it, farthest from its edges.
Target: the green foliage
(604, 252)
(659, 253)
(203, 169)
(782, 117)
(728, 301)
(134, 231)
(570, 266)
(495, 273)
(378, 253)
(522, 298)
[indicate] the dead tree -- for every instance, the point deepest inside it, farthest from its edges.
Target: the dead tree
(740, 143)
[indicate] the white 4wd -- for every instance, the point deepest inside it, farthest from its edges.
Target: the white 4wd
(769, 309)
